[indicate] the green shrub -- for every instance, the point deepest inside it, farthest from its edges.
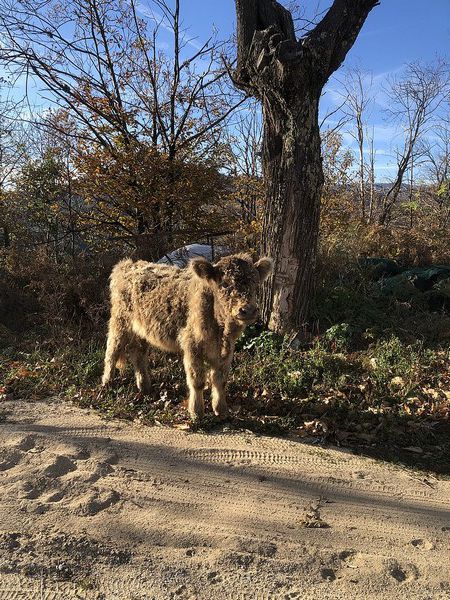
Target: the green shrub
(339, 336)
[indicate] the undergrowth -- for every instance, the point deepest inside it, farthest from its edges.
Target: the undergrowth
(389, 398)
(373, 376)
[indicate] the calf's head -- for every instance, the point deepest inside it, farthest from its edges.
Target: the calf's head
(234, 280)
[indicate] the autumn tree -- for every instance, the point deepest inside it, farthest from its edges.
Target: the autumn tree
(39, 190)
(337, 202)
(336, 162)
(287, 75)
(244, 173)
(100, 62)
(111, 204)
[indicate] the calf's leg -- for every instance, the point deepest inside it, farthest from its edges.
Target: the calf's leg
(219, 376)
(138, 356)
(195, 377)
(115, 347)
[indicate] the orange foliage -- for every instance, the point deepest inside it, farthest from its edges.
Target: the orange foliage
(136, 189)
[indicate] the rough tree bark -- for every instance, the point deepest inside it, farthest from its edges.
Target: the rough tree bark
(287, 75)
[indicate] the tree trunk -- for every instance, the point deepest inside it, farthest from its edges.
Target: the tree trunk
(372, 180)
(391, 196)
(411, 192)
(362, 191)
(294, 180)
(6, 237)
(288, 75)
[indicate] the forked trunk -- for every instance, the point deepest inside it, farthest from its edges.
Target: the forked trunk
(288, 75)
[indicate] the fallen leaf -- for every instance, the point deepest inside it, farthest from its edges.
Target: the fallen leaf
(397, 382)
(433, 393)
(316, 426)
(23, 372)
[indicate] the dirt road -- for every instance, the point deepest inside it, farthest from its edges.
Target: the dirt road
(106, 510)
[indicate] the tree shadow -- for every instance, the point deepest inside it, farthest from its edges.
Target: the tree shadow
(398, 439)
(177, 461)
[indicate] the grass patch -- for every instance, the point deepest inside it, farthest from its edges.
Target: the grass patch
(390, 399)
(375, 377)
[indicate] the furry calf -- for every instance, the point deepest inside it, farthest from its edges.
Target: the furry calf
(198, 312)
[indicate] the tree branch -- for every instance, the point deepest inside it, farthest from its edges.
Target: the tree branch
(336, 33)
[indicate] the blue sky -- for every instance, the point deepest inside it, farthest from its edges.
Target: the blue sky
(395, 33)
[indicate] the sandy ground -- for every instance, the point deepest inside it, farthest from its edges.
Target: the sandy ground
(101, 509)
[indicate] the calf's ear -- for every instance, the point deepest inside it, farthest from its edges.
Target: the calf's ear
(204, 269)
(264, 267)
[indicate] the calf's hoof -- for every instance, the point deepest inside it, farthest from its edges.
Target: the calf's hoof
(196, 414)
(144, 389)
(221, 411)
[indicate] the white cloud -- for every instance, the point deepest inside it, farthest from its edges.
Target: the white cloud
(159, 19)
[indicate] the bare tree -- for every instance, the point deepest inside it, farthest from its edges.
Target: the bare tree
(287, 75)
(358, 99)
(335, 119)
(437, 170)
(244, 167)
(371, 168)
(414, 100)
(12, 151)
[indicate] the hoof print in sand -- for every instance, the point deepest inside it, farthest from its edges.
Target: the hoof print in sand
(96, 470)
(59, 467)
(30, 490)
(257, 547)
(347, 555)
(214, 577)
(328, 574)
(94, 503)
(9, 459)
(55, 496)
(402, 573)
(27, 443)
(39, 509)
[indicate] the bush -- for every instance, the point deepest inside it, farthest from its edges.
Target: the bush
(67, 295)
(339, 336)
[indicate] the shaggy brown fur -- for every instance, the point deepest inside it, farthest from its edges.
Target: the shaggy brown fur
(198, 312)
